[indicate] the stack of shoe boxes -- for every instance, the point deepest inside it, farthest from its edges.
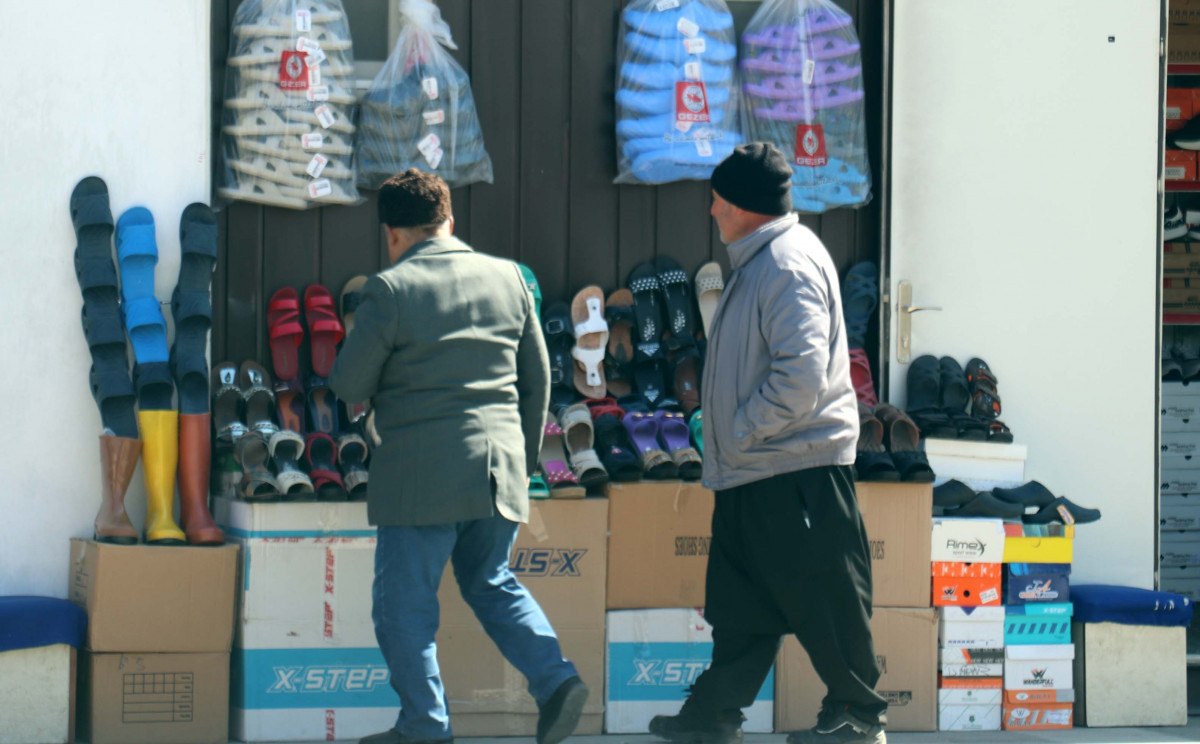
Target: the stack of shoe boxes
(965, 570)
(1180, 489)
(1183, 34)
(1038, 680)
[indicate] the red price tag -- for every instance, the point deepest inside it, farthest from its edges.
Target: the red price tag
(691, 102)
(810, 145)
(293, 73)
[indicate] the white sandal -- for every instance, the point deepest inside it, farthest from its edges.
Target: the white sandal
(291, 148)
(269, 73)
(270, 169)
(261, 192)
(261, 122)
(307, 117)
(265, 95)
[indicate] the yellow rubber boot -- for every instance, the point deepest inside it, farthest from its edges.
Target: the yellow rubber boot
(160, 455)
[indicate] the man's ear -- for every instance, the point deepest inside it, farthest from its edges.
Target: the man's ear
(451, 224)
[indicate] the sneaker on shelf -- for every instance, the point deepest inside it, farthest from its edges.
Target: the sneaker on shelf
(1174, 226)
(1187, 138)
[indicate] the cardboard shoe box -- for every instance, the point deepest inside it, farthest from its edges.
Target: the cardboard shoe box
(1026, 583)
(659, 536)
(896, 517)
(1178, 109)
(154, 698)
(969, 704)
(958, 661)
(967, 540)
(971, 627)
(1179, 165)
(1045, 667)
(148, 599)
(906, 651)
(981, 465)
(1180, 512)
(1038, 624)
(653, 656)
(1039, 543)
(561, 558)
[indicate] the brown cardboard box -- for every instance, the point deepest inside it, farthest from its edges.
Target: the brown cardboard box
(1179, 108)
(141, 698)
(560, 557)
(659, 535)
(1183, 43)
(153, 599)
(1184, 11)
(1181, 259)
(906, 647)
(1179, 165)
(897, 521)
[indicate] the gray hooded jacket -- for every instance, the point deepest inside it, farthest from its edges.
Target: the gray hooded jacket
(776, 393)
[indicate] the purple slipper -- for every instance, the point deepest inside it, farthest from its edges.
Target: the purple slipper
(674, 433)
(832, 47)
(805, 109)
(643, 430)
(786, 87)
(777, 61)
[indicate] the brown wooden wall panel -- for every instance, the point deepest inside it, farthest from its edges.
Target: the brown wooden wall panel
(543, 74)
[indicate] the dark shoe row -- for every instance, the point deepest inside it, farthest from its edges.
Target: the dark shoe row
(835, 725)
(1031, 502)
(889, 447)
(948, 402)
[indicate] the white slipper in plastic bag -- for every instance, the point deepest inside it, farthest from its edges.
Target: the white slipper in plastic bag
(261, 192)
(265, 95)
(292, 149)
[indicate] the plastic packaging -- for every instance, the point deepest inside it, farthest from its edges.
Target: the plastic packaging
(420, 112)
(289, 102)
(677, 96)
(803, 92)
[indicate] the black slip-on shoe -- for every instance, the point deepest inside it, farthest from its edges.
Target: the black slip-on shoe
(392, 736)
(690, 727)
(560, 715)
(841, 729)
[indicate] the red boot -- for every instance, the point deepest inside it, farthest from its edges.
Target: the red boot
(195, 460)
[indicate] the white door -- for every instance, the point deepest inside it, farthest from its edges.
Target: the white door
(1024, 161)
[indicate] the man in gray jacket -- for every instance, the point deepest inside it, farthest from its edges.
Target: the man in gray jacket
(448, 349)
(789, 551)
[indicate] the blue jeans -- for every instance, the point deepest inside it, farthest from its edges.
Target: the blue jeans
(409, 562)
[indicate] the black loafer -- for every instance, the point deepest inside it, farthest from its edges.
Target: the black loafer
(392, 736)
(687, 728)
(560, 715)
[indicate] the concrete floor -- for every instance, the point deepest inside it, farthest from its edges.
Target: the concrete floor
(1189, 733)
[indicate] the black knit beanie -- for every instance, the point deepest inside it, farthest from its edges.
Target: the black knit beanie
(757, 178)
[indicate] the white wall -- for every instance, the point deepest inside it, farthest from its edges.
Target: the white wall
(118, 89)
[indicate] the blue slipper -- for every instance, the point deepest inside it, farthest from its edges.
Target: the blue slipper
(803, 200)
(672, 49)
(654, 170)
(663, 101)
(666, 22)
(191, 307)
(720, 140)
(658, 126)
(835, 171)
(665, 75)
(137, 253)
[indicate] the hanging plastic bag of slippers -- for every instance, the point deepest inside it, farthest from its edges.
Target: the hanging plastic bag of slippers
(420, 112)
(288, 122)
(802, 91)
(677, 99)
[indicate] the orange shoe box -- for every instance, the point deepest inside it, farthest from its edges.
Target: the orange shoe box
(1179, 165)
(966, 570)
(955, 591)
(1049, 717)
(1179, 107)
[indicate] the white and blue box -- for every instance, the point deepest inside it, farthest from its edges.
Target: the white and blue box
(653, 657)
(1038, 624)
(305, 663)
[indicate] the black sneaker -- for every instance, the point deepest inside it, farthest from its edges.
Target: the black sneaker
(842, 728)
(690, 728)
(558, 718)
(1174, 224)
(392, 736)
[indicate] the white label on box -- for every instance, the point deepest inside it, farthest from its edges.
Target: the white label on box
(972, 670)
(430, 86)
(303, 20)
(428, 144)
(694, 46)
(810, 71)
(666, 5)
(314, 75)
(319, 93)
(691, 70)
(325, 116)
(1173, 113)
(434, 117)
(704, 148)
(988, 596)
(316, 165)
(687, 27)
(320, 188)
(969, 540)
(312, 141)
(307, 45)
(1174, 172)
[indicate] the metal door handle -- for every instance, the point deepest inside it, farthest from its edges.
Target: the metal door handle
(904, 320)
(916, 308)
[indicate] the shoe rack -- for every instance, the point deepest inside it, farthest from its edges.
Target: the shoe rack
(1179, 538)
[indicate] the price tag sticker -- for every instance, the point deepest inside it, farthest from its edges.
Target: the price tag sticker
(691, 70)
(434, 117)
(316, 165)
(704, 148)
(325, 116)
(694, 46)
(314, 59)
(314, 76)
(307, 45)
(687, 27)
(304, 21)
(662, 5)
(319, 188)
(319, 93)
(312, 140)
(810, 71)
(430, 86)
(428, 144)
(434, 158)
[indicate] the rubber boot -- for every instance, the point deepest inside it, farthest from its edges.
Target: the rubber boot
(195, 462)
(160, 455)
(118, 459)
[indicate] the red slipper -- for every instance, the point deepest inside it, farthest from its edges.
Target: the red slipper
(860, 378)
(325, 331)
(321, 452)
(285, 333)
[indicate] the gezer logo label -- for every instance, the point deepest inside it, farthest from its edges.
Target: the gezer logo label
(1038, 590)
(673, 672)
(357, 678)
(547, 561)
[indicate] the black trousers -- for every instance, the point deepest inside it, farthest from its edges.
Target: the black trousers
(789, 555)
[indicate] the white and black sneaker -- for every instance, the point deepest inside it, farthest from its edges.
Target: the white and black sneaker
(840, 728)
(1187, 138)
(1174, 226)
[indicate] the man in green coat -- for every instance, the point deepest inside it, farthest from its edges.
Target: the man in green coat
(447, 348)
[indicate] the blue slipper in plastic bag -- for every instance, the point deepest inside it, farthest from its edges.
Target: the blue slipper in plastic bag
(666, 22)
(673, 49)
(663, 101)
(657, 126)
(664, 74)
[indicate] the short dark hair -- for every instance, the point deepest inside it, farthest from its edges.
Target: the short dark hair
(414, 198)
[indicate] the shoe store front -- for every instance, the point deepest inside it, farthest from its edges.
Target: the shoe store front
(979, 292)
